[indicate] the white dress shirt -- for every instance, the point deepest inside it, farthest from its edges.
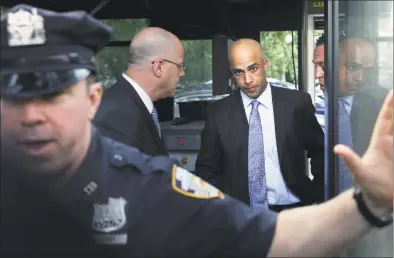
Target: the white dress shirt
(278, 192)
(144, 97)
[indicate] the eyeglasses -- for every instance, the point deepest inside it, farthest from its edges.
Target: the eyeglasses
(181, 66)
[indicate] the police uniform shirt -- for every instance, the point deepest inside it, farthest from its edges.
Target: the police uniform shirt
(34, 224)
(123, 203)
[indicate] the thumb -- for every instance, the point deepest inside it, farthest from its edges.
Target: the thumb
(352, 160)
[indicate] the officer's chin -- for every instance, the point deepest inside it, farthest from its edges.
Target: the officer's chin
(37, 170)
(36, 158)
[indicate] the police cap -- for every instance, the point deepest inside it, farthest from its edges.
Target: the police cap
(43, 52)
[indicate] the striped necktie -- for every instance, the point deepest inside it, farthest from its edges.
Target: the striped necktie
(155, 117)
(256, 161)
(345, 137)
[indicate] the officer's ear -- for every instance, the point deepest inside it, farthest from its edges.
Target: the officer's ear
(95, 92)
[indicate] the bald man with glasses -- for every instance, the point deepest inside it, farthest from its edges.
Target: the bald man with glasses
(127, 113)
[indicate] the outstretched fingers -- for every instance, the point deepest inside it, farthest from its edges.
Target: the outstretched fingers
(352, 160)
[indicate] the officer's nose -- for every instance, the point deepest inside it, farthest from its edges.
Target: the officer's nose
(31, 113)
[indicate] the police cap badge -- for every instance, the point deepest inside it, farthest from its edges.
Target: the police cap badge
(43, 52)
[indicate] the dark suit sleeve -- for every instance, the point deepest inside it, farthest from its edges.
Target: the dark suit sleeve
(208, 163)
(314, 145)
(120, 127)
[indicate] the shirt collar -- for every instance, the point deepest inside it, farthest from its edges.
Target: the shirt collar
(265, 98)
(144, 97)
(348, 100)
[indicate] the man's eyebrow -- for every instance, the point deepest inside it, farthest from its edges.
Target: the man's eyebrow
(249, 66)
(354, 63)
(254, 64)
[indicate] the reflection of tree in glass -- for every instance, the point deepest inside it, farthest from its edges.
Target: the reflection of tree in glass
(125, 30)
(112, 61)
(279, 54)
(198, 57)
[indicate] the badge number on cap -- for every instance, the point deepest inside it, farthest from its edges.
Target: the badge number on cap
(190, 185)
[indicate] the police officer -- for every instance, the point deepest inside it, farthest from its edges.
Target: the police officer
(66, 190)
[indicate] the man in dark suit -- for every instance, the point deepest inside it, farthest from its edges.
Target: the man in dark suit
(127, 113)
(363, 98)
(358, 83)
(254, 141)
(360, 96)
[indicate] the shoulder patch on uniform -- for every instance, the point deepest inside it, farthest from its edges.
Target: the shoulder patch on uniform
(187, 184)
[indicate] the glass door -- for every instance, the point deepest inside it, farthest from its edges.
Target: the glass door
(358, 74)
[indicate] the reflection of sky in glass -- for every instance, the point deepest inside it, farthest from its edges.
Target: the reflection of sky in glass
(386, 20)
(385, 50)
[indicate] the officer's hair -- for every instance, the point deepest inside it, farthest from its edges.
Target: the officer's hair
(143, 49)
(90, 80)
(320, 40)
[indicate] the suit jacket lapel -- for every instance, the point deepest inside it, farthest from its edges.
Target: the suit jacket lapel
(362, 119)
(240, 135)
(239, 121)
(279, 106)
(147, 117)
(355, 114)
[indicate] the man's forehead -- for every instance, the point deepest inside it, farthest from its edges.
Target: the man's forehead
(360, 56)
(319, 51)
(360, 52)
(245, 59)
(244, 54)
(318, 54)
